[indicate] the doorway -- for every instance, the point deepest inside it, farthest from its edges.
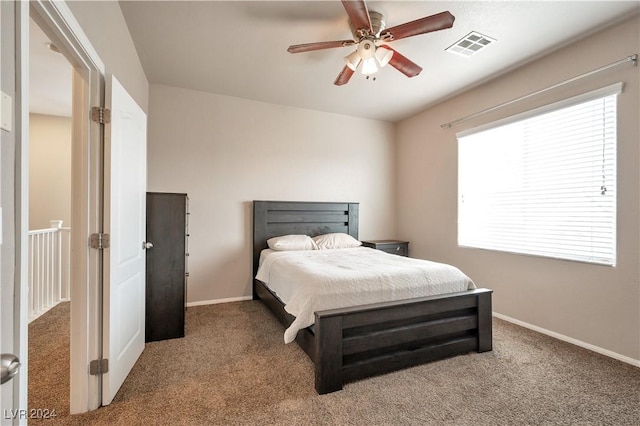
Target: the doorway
(109, 183)
(55, 19)
(49, 237)
(58, 24)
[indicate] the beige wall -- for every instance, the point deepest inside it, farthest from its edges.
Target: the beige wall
(225, 152)
(104, 25)
(49, 170)
(598, 305)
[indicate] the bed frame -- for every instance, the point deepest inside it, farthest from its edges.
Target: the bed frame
(362, 341)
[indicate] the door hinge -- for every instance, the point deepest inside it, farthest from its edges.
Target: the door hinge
(101, 115)
(99, 241)
(98, 367)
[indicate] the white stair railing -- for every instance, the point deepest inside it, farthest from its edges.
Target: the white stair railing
(49, 268)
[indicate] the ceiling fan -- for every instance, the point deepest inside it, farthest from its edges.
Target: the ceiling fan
(370, 35)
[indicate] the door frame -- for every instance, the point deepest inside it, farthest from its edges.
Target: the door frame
(57, 21)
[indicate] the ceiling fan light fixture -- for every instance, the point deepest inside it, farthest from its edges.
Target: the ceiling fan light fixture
(353, 60)
(366, 49)
(383, 56)
(369, 66)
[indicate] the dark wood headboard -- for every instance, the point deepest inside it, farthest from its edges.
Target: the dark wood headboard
(275, 218)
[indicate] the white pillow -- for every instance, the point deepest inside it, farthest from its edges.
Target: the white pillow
(336, 241)
(292, 242)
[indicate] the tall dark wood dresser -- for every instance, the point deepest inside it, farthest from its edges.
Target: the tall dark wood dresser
(167, 255)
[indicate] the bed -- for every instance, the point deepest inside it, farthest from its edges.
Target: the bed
(356, 342)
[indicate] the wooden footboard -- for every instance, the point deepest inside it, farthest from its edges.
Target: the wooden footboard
(363, 341)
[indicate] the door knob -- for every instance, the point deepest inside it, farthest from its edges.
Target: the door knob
(146, 245)
(10, 366)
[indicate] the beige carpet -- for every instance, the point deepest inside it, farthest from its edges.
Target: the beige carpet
(233, 369)
(49, 362)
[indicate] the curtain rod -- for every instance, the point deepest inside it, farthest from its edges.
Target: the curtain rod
(631, 58)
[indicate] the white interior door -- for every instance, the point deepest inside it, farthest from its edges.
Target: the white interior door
(125, 177)
(13, 226)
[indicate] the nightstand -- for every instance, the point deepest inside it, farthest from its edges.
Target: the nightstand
(400, 248)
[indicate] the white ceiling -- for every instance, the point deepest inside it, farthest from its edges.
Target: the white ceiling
(49, 77)
(240, 48)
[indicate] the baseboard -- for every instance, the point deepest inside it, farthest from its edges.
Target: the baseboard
(216, 301)
(585, 345)
(33, 317)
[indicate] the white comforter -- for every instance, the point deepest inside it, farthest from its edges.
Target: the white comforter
(315, 280)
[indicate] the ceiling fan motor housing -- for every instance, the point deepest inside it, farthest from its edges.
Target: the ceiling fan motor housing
(377, 24)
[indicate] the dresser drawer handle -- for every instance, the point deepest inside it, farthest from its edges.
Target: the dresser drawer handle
(397, 248)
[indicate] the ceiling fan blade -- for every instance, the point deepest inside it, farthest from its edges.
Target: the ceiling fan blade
(403, 64)
(308, 47)
(429, 24)
(358, 14)
(344, 76)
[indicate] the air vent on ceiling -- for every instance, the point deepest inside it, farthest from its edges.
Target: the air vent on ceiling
(470, 44)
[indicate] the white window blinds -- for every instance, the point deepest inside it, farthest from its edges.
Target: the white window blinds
(543, 183)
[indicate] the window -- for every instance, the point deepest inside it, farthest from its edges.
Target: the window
(543, 182)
